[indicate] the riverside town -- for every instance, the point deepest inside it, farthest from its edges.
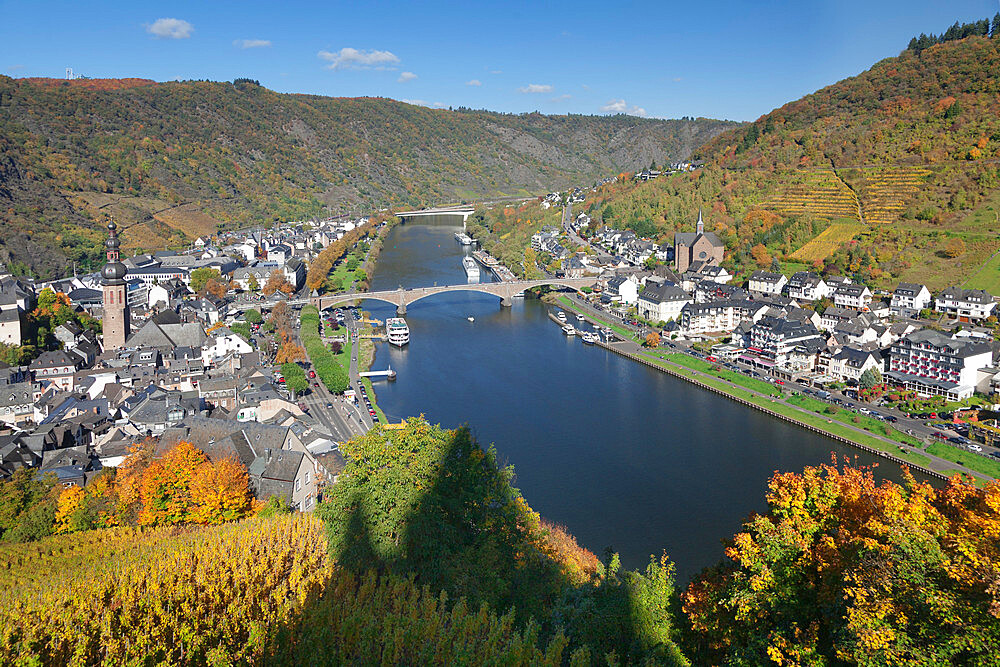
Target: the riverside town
(297, 367)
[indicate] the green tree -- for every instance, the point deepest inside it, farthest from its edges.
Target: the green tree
(252, 284)
(870, 378)
(295, 378)
(253, 316)
(27, 505)
(201, 276)
(352, 263)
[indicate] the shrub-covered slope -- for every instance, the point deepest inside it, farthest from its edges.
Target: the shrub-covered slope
(172, 160)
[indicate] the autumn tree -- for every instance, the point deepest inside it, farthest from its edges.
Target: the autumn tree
(252, 284)
(290, 352)
(166, 486)
(277, 282)
(217, 287)
(844, 571)
(761, 255)
(954, 247)
(652, 339)
(201, 276)
(220, 492)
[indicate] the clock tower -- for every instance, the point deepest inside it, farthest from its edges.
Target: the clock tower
(116, 312)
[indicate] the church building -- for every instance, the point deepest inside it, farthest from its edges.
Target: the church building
(116, 311)
(700, 248)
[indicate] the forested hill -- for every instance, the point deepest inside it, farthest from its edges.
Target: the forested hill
(172, 160)
(902, 158)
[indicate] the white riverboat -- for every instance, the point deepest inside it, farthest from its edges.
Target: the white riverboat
(589, 338)
(471, 268)
(569, 330)
(397, 331)
(463, 238)
(561, 315)
(580, 317)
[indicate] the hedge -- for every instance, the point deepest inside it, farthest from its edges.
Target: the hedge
(330, 373)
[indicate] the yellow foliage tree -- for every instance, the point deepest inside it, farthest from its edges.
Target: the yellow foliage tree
(69, 502)
(220, 492)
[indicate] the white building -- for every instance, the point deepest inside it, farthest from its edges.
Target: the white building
(662, 303)
(625, 288)
(965, 304)
(222, 342)
(933, 364)
(908, 299)
(765, 282)
(807, 286)
(850, 363)
(858, 297)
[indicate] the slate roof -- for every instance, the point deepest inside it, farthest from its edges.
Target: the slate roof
(664, 293)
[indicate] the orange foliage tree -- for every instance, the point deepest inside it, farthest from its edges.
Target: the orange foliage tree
(843, 570)
(277, 282)
(290, 352)
(761, 255)
(652, 339)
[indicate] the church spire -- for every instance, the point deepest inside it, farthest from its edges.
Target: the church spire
(701, 223)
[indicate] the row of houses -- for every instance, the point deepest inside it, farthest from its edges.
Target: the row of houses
(773, 323)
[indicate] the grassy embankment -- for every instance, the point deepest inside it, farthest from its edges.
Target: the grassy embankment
(970, 460)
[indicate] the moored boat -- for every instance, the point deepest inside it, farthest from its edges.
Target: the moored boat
(397, 331)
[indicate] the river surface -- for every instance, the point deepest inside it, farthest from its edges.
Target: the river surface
(622, 455)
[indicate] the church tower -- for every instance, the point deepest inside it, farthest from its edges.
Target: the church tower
(116, 313)
(700, 227)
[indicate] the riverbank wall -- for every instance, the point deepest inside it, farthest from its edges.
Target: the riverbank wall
(687, 377)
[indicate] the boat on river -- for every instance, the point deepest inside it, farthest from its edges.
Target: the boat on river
(561, 315)
(569, 330)
(589, 338)
(397, 331)
(463, 238)
(471, 268)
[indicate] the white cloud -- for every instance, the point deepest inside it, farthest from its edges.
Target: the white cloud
(496, 71)
(15, 68)
(619, 106)
(561, 98)
(677, 78)
(170, 29)
(536, 88)
(348, 58)
(251, 43)
(425, 103)
(406, 76)
(473, 82)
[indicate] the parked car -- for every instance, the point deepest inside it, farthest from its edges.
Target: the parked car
(974, 448)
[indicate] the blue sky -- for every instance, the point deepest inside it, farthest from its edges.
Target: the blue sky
(734, 60)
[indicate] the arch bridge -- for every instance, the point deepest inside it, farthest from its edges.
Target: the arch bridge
(403, 297)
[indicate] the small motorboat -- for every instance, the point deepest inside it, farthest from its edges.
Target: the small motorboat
(471, 318)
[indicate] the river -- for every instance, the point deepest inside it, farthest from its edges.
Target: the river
(622, 455)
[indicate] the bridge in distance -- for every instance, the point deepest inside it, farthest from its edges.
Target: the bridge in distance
(402, 297)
